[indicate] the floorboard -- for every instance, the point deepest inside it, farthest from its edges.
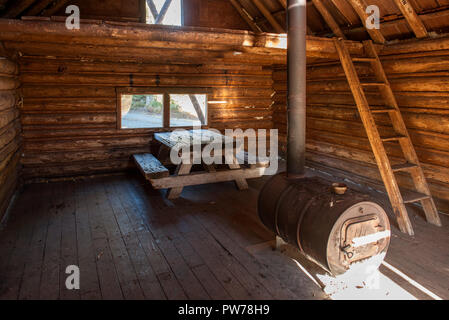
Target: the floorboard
(130, 242)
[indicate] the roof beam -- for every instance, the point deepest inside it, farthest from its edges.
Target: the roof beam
(277, 14)
(345, 9)
(17, 8)
(360, 7)
(412, 18)
(401, 22)
(327, 16)
(37, 8)
(267, 14)
(246, 16)
(55, 8)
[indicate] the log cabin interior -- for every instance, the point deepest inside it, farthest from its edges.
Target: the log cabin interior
(358, 108)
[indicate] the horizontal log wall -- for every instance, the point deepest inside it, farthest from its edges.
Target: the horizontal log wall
(336, 137)
(10, 140)
(69, 112)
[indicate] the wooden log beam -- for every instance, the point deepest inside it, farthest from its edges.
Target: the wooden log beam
(246, 16)
(129, 32)
(137, 34)
(412, 18)
(360, 7)
(7, 99)
(327, 16)
(8, 67)
(393, 65)
(267, 14)
(8, 83)
(146, 54)
(418, 47)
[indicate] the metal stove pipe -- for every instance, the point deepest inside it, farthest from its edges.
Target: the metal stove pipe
(296, 73)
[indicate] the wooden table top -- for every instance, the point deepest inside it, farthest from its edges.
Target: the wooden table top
(189, 138)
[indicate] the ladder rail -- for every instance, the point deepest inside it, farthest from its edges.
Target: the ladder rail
(380, 154)
(399, 126)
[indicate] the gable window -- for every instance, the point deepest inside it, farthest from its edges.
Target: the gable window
(163, 108)
(166, 12)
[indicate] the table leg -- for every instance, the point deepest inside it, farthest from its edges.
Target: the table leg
(182, 169)
(164, 154)
(240, 182)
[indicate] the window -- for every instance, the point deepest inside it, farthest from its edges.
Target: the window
(139, 108)
(142, 111)
(167, 12)
(188, 110)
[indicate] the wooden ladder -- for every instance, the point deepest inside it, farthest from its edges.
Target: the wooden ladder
(411, 165)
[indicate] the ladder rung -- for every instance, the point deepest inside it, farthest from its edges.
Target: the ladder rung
(412, 196)
(363, 59)
(383, 110)
(372, 84)
(393, 138)
(404, 167)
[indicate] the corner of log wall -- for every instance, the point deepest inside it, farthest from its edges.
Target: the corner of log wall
(10, 132)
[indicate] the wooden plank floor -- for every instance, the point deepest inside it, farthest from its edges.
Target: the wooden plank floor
(132, 243)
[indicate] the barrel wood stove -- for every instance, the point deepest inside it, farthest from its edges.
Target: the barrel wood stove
(334, 229)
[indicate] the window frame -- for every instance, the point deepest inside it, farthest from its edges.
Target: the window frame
(165, 111)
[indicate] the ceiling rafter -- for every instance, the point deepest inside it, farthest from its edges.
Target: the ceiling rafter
(412, 18)
(246, 16)
(345, 9)
(255, 23)
(267, 14)
(328, 18)
(360, 7)
(55, 8)
(15, 10)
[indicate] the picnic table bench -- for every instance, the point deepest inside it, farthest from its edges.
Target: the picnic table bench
(154, 170)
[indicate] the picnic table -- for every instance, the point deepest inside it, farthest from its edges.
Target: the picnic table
(155, 170)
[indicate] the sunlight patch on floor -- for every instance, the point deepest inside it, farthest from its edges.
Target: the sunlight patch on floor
(411, 281)
(363, 282)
